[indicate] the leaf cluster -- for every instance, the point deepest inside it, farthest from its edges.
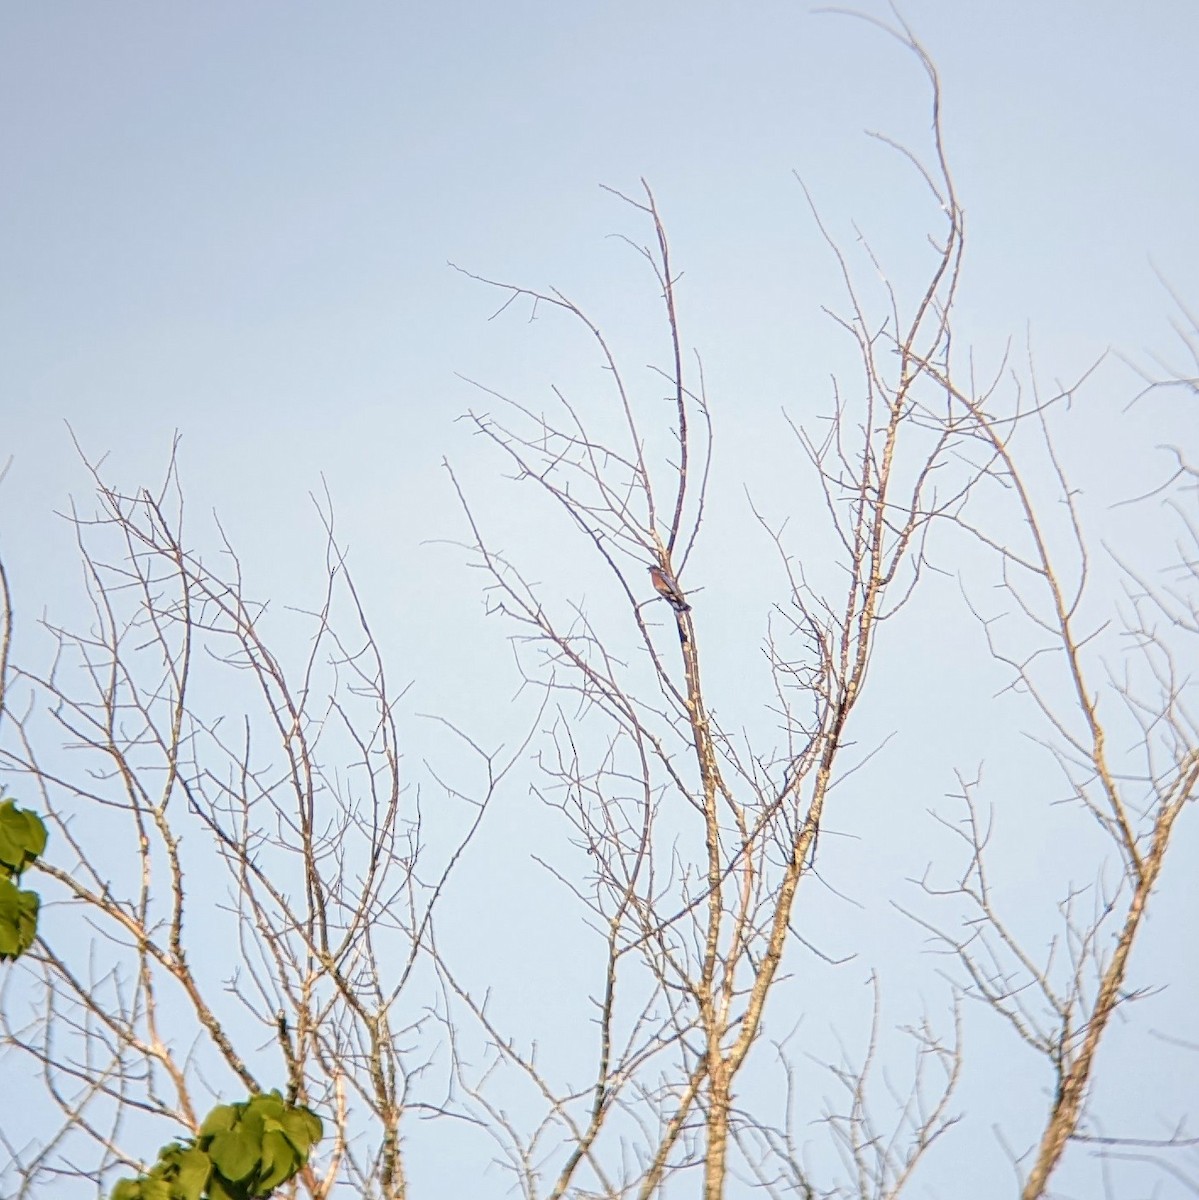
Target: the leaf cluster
(22, 839)
(242, 1152)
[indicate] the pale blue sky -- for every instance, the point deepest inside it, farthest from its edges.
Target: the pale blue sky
(233, 221)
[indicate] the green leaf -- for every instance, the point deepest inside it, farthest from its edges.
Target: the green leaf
(235, 1154)
(280, 1161)
(251, 1122)
(303, 1127)
(194, 1168)
(22, 837)
(267, 1104)
(242, 1152)
(218, 1189)
(220, 1120)
(18, 919)
(168, 1157)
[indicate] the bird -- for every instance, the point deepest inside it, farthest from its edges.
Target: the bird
(668, 589)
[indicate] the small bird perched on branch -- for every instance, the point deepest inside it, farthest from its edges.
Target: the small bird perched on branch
(668, 589)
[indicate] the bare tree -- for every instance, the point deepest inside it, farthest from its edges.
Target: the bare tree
(233, 904)
(699, 838)
(1113, 696)
(690, 845)
(701, 935)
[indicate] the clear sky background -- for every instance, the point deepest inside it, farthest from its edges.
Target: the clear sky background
(233, 221)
